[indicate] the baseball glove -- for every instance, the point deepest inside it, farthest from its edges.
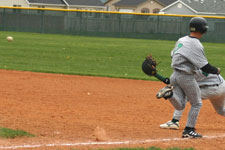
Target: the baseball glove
(149, 66)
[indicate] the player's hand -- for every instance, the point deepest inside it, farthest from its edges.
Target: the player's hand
(166, 81)
(218, 71)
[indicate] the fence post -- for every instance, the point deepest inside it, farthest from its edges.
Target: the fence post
(3, 20)
(119, 17)
(42, 21)
(180, 20)
(157, 28)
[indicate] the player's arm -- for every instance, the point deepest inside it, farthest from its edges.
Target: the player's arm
(202, 62)
(210, 69)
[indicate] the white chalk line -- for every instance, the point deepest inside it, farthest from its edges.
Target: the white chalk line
(105, 143)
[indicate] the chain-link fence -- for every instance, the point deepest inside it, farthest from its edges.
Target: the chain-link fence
(168, 27)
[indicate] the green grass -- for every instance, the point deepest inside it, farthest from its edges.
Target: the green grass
(9, 133)
(96, 56)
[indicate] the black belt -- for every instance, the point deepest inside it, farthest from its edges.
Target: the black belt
(205, 86)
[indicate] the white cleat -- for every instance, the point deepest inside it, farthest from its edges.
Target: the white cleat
(170, 125)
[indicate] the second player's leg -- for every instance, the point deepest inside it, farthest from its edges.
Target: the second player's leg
(216, 94)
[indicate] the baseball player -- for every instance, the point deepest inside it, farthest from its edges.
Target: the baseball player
(213, 88)
(187, 57)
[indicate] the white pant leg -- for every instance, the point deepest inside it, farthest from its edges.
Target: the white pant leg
(186, 85)
(177, 114)
(178, 98)
(216, 95)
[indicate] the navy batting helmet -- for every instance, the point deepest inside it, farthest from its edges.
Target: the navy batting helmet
(198, 24)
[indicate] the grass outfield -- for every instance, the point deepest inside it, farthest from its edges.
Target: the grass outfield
(96, 56)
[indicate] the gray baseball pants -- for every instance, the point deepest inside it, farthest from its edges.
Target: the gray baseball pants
(185, 85)
(216, 95)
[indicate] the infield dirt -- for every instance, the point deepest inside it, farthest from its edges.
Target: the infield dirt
(61, 108)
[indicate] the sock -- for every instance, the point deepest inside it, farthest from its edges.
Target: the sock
(188, 128)
(175, 120)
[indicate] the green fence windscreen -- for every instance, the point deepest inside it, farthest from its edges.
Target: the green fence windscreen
(105, 24)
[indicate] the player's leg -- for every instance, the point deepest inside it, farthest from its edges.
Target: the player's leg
(191, 89)
(216, 95)
(175, 94)
(174, 123)
(218, 104)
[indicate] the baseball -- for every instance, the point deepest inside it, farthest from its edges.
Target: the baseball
(9, 38)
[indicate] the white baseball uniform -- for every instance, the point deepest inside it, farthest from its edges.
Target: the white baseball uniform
(213, 88)
(187, 57)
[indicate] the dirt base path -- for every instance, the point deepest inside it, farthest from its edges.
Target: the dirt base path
(63, 111)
